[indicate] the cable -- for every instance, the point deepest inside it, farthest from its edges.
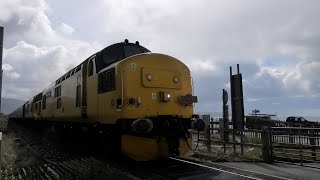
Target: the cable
(186, 139)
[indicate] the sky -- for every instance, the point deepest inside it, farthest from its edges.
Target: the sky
(276, 43)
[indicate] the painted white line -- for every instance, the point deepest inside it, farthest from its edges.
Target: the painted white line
(201, 165)
(279, 177)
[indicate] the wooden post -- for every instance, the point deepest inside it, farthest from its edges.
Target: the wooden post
(241, 139)
(234, 140)
(266, 139)
(0, 153)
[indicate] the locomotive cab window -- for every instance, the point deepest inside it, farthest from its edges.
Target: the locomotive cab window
(57, 91)
(133, 49)
(117, 52)
(106, 81)
(108, 56)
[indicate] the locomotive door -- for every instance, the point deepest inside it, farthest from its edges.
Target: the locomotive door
(107, 96)
(92, 91)
(39, 108)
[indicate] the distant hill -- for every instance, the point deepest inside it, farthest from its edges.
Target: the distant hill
(8, 105)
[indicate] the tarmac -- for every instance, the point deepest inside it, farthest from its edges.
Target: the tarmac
(273, 171)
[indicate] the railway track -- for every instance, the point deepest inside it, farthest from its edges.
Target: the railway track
(57, 163)
(69, 164)
(84, 168)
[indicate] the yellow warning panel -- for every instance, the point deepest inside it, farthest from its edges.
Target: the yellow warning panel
(147, 148)
(144, 149)
(185, 151)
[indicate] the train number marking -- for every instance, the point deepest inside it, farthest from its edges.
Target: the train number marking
(133, 67)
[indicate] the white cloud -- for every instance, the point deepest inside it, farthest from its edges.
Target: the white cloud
(12, 75)
(36, 53)
(65, 29)
(7, 67)
(9, 73)
(304, 78)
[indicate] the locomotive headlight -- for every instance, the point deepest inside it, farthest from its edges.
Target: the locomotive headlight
(149, 77)
(164, 96)
(175, 79)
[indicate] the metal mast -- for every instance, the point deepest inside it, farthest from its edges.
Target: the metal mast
(1, 72)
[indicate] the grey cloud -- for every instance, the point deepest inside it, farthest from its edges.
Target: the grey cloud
(208, 36)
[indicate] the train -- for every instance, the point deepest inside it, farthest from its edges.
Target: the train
(144, 101)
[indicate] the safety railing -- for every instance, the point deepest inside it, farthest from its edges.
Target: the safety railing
(296, 145)
(234, 142)
(283, 144)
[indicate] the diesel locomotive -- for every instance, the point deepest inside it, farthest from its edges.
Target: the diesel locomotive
(144, 99)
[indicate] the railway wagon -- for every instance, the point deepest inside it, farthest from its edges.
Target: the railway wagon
(143, 99)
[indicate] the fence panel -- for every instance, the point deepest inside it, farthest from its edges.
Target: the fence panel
(296, 145)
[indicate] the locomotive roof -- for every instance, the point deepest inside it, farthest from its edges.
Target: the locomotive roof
(109, 55)
(117, 52)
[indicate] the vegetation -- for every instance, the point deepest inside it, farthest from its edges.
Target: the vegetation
(14, 154)
(3, 122)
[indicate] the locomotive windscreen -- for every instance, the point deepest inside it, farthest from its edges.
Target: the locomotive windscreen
(117, 52)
